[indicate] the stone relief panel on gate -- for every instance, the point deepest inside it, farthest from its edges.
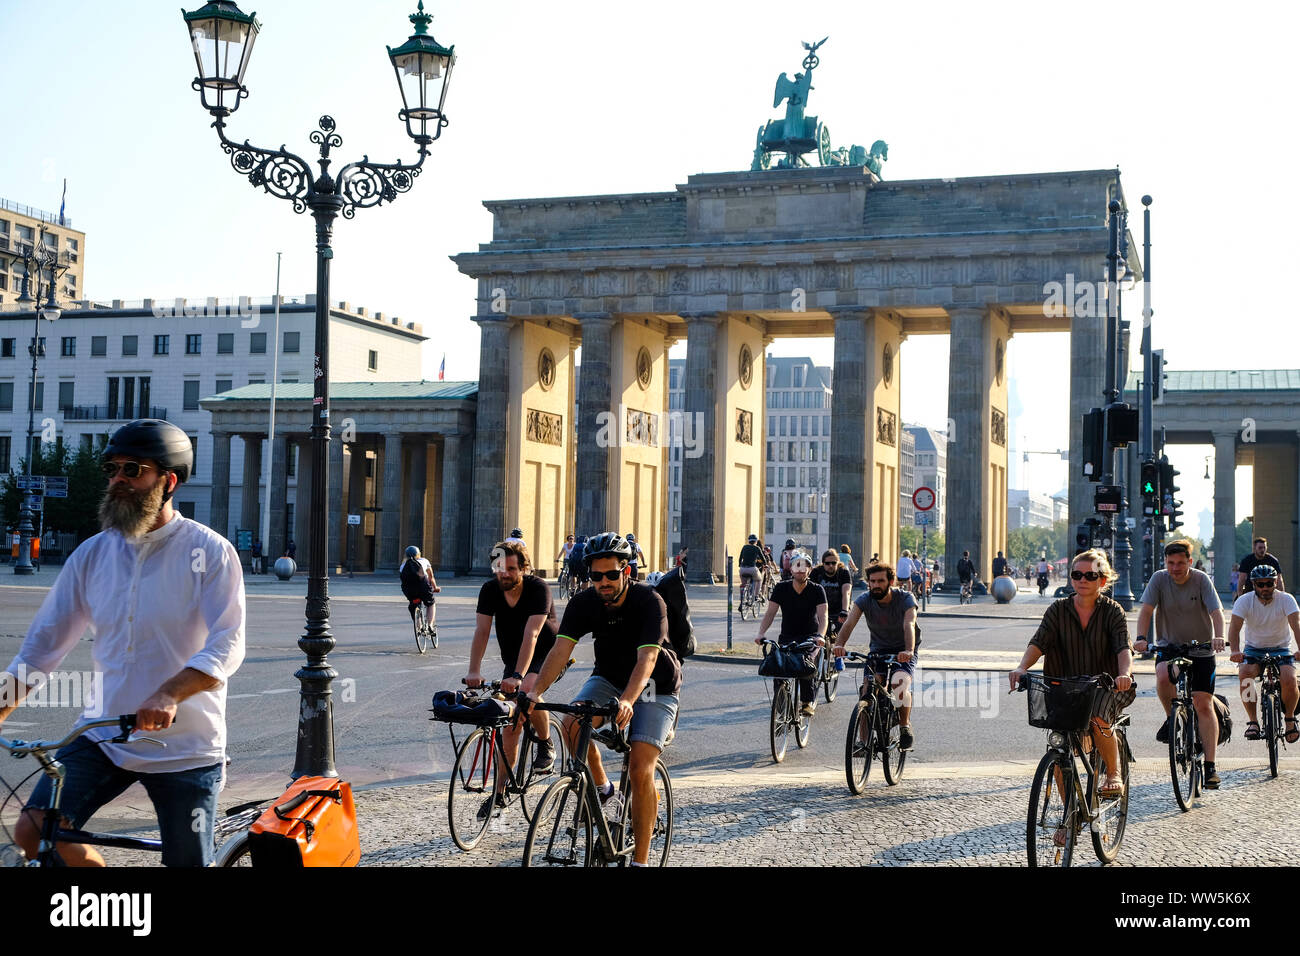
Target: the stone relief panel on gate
(544, 428)
(642, 428)
(999, 427)
(744, 427)
(886, 427)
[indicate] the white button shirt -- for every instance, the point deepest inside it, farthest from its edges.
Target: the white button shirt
(170, 599)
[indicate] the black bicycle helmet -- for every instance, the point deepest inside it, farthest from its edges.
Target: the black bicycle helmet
(1263, 572)
(607, 544)
(789, 542)
(516, 533)
(412, 552)
(155, 439)
(753, 539)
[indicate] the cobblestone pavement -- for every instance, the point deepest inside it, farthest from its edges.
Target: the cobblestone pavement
(976, 818)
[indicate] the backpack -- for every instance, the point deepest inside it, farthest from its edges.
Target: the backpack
(1225, 718)
(671, 586)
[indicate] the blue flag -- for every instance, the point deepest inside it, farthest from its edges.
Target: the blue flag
(64, 204)
(443, 367)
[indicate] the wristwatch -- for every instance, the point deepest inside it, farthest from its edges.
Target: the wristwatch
(517, 676)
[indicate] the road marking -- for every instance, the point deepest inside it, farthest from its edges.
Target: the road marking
(283, 690)
(240, 696)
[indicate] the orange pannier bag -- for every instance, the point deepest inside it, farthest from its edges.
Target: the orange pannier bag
(313, 823)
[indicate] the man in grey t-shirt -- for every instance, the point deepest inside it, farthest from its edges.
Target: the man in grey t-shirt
(1189, 612)
(891, 620)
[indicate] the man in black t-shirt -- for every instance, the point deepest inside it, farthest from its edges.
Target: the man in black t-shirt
(836, 581)
(1000, 566)
(751, 559)
(1260, 555)
(803, 615)
(524, 612)
(635, 664)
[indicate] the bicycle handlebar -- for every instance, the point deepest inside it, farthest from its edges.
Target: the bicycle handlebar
(22, 748)
(582, 708)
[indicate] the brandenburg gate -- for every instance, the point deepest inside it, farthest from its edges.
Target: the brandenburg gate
(730, 262)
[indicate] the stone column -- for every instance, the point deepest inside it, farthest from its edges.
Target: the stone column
(219, 511)
(413, 525)
(303, 503)
(977, 447)
(491, 441)
(455, 520)
(1274, 484)
(388, 548)
(249, 514)
(1087, 380)
(850, 512)
(273, 547)
(1225, 509)
(334, 545)
(699, 473)
(592, 481)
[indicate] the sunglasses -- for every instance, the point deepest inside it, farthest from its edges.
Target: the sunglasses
(1081, 575)
(1265, 584)
(130, 469)
(607, 575)
(830, 564)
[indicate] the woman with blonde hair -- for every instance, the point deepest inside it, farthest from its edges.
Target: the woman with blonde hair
(1084, 635)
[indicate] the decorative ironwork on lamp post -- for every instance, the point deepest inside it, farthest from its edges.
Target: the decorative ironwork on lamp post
(43, 260)
(223, 38)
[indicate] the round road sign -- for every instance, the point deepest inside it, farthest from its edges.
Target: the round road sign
(923, 498)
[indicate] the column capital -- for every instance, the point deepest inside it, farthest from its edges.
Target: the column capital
(712, 316)
(849, 311)
(592, 318)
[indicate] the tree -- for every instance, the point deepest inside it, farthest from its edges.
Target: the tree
(910, 540)
(76, 514)
(1245, 537)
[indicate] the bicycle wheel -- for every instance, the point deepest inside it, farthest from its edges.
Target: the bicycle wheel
(473, 781)
(744, 600)
(891, 756)
(779, 729)
(235, 852)
(560, 832)
(534, 783)
(1272, 729)
(421, 633)
(831, 680)
(801, 721)
(859, 745)
(1181, 759)
(1107, 838)
(662, 835)
(1050, 829)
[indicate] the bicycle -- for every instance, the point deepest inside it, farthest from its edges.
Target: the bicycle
(561, 830)
(230, 832)
(827, 674)
(426, 634)
(874, 726)
(1271, 711)
(749, 598)
(1059, 803)
(474, 774)
(787, 716)
(967, 591)
(1186, 754)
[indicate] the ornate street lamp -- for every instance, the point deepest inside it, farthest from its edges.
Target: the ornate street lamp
(43, 260)
(223, 38)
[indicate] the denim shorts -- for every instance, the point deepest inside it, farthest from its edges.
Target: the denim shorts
(1203, 666)
(185, 800)
(652, 714)
(1256, 655)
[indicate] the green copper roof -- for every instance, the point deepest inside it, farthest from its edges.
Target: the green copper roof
(354, 391)
(1246, 380)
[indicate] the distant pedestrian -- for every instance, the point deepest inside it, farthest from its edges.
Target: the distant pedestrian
(291, 552)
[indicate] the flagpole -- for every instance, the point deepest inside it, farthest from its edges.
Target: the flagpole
(270, 441)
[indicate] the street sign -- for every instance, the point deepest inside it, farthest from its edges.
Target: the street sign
(354, 519)
(34, 502)
(30, 482)
(243, 539)
(923, 518)
(56, 492)
(923, 499)
(54, 481)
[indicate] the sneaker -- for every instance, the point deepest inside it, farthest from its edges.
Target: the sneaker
(905, 739)
(809, 708)
(494, 805)
(612, 806)
(1162, 735)
(544, 762)
(1211, 777)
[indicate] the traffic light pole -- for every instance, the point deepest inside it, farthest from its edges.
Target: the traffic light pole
(1115, 368)
(1147, 447)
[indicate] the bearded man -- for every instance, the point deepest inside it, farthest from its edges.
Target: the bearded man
(164, 598)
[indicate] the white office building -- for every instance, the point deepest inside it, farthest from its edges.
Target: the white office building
(108, 363)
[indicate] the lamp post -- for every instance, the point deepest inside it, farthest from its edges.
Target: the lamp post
(43, 260)
(223, 37)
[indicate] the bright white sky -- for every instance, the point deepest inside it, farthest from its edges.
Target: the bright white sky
(582, 97)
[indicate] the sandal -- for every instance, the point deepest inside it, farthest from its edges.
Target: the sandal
(1111, 789)
(1292, 734)
(1252, 730)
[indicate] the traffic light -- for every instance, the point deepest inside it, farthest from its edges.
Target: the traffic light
(1167, 490)
(1157, 376)
(1082, 538)
(1150, 486)
(1093, 460)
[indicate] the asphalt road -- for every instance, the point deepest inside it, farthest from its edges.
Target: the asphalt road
(964, 719)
